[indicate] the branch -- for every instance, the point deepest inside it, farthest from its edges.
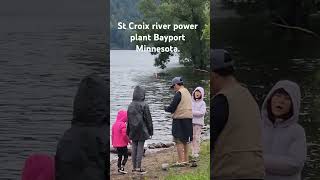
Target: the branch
(297, 28)
(202, 70)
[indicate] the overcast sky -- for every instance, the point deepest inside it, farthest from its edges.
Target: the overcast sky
(53, 7)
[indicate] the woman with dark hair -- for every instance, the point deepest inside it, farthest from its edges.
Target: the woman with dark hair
(283, 138)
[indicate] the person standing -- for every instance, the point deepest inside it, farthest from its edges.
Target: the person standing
(181, 109)
(198, 112)
(284, 140)
(120, 139)
(236, 141)
(82, 153)
(139, 128)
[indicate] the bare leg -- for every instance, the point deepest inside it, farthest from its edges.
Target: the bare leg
(186, 152)
(180, 152)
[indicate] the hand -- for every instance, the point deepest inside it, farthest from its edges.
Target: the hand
(150, 137)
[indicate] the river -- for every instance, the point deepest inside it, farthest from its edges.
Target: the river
(42, 61)
(129, 68)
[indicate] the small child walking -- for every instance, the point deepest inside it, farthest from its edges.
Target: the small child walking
(198, 112)
(120, 139)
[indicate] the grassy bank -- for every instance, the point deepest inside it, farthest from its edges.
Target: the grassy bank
(202, 171)
(152, 163)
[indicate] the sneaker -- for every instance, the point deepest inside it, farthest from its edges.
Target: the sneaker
(185, 163)
(141, 171)
(122, 171)
(177, 164)
(194, 164)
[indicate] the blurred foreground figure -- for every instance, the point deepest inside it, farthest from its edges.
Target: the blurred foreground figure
(82, 151)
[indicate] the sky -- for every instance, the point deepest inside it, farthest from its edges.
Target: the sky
(52, 7)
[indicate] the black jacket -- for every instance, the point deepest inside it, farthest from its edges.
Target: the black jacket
(140, 126)
(82, 151)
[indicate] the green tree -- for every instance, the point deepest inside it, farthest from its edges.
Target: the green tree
(193, 51)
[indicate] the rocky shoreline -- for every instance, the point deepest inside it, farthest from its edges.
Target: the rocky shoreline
(159, 146)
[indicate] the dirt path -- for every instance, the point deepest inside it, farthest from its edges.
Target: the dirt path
(152, 164)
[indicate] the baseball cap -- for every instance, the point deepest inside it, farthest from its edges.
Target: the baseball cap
(176, 80)
(220, 59)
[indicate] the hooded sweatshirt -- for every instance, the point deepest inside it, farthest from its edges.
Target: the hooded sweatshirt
(82, 151)
(198, 108)
(119, 129)
(38, 167)
(284, 141)
(139, 126)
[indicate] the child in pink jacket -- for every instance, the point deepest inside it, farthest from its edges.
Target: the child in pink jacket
(120, 139)
(38, 167)
(198, 112)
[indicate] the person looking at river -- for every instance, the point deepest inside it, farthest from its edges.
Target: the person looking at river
(82, 153)
(284, 139)
(139, 128)
(181, 109)
(236, 143)
(120, 139)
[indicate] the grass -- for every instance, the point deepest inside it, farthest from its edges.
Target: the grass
(202, 171)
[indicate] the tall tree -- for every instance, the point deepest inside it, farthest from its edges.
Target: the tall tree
(195, 50)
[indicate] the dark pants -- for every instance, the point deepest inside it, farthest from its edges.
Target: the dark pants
(122, 152)
(137, 153)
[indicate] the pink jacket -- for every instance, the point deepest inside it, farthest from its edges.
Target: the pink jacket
(119, 135)
(39, 167)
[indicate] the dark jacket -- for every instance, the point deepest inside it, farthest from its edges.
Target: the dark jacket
(82, 151)
(140, 126)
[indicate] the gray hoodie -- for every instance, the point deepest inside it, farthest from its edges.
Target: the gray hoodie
(284, 141)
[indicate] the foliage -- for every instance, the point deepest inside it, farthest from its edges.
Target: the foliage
(193, 51)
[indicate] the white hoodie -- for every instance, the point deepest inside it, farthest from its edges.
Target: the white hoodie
(198, 108)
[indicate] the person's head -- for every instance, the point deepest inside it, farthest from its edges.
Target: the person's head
(139, 93)
(280, 104)
(176, 83)
(198, 94)
(221, 68)
(122, 115)
(38, 167)
(90, 103)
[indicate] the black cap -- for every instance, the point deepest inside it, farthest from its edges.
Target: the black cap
(220, 59)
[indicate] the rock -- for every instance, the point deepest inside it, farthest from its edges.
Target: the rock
(169, 144)
(158, 145)
(165, 166)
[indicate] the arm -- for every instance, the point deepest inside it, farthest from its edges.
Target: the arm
(292, 162)
(174, 104)
(201, 112)
(148, 119)
(128, 128)
(219, 115)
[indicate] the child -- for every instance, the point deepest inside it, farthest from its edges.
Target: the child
(283, 138)
(140, 127)
(120, 139)
(39, 167)
(198, 112)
